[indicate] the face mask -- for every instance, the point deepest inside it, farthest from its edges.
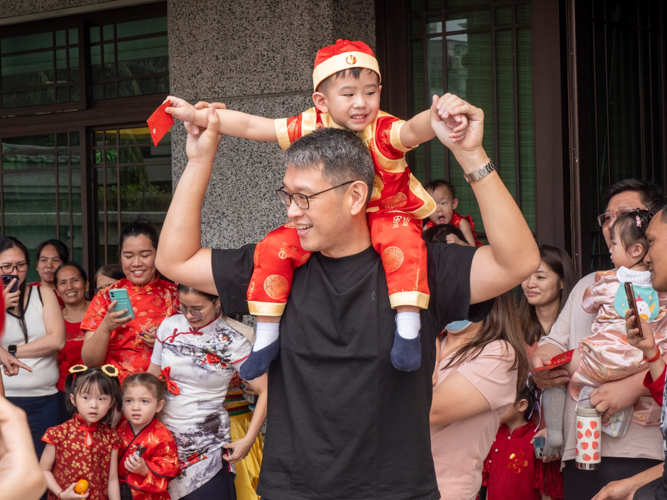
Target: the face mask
(458, 326)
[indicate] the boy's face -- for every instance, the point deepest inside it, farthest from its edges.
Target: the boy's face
(444, 205)
(352, 102)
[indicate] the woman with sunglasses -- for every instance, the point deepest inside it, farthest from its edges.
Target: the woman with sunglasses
(34, 333)
(198, 352)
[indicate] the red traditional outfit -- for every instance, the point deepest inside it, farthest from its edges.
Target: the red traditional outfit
(511, 470)
(152, 303)
(456, 222)
(397, 204)
(160, 455)
(70, 355)
(76, 459)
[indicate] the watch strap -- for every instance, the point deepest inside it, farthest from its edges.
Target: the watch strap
(481, 173)
(11, 349)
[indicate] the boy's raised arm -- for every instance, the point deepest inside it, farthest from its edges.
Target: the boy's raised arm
(234, 123)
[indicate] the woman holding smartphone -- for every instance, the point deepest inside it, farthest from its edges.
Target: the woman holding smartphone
(34, 333)
(116, 335)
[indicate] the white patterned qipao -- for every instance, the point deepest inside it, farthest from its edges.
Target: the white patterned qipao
(201, 363)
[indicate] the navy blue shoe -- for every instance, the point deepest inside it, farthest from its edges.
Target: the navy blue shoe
(406, 355)
(258, 362)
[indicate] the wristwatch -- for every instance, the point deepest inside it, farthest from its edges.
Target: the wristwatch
(12, 350)
(479, 174)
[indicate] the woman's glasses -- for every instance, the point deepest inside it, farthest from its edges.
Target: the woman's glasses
(198, 315)
(8, 268)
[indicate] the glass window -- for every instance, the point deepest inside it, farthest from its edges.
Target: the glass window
(41, 191)
(129, 59)
(501, 86)
(39, 69)
(127, 158)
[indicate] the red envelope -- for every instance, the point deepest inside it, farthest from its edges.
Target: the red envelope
(556, 361)
(160, 122)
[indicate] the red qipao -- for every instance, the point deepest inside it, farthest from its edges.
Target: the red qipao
(160, 455)
(76, 459)
(152, 303)
(511, 470)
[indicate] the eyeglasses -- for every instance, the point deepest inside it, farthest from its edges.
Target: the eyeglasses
(606, 219)
(20, 267)
(193, 312)
(301, 200)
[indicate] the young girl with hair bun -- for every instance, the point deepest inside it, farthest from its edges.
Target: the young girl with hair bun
(80, 459)
(149, 459)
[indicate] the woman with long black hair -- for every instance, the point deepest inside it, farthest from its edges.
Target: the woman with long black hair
(34, 333)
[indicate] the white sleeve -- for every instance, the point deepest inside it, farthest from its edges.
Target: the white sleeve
(156, 357)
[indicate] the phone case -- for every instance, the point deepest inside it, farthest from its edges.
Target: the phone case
(556, 361)
(122, 299)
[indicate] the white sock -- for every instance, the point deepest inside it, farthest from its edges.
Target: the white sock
(267, 333)
(408, 324)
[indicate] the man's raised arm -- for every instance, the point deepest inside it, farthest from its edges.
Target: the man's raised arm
(512, 254)
(179, 255)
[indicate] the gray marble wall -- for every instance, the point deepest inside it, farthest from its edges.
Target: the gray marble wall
(256, 56)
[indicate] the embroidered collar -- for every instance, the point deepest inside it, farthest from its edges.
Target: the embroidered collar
(126, 283)
(209, 327)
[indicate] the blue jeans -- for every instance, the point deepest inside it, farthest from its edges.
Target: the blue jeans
(43, 412)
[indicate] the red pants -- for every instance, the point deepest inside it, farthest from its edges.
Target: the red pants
(396, 237)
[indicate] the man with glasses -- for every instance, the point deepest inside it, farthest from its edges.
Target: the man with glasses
(343, 422)
(641, 446)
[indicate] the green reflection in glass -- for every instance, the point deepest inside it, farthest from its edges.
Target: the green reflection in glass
(107, 32)
(433, 24)
(416, 6)
(62, 94)
(94, 33)
(451, 4)
(143, 57)
(506, 160)
(30, 98)
(61, 38)
(503, 16)
(61, 58)
(75, 157)
(109, 62)
(523, 14)
(98, 92)
(74, 36)
(461, 21)
(27, 70)
(61, 139)
(141, 27)
(110, 90)
(432, 5)
(144, 86)
(526, 125)
(74, 139)
(434, 65)
(74, 94)
(27, 42)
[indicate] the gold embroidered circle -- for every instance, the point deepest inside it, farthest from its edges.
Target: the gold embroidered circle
(276, 287)
(392, 259)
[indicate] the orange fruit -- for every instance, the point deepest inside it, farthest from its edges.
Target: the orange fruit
(81, 487)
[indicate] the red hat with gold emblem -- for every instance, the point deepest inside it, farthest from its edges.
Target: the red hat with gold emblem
(343, 55)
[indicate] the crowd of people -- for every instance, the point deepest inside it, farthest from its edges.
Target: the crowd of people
(395, 356)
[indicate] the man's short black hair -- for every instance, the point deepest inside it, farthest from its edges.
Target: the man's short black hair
(340, 154)
(650, 194)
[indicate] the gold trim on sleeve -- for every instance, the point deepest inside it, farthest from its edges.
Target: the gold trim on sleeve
(265, 308)
(395, 137)
(417, 299)
(429, 204)
(281, 132)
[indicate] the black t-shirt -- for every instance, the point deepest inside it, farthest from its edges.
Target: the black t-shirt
(343, 423)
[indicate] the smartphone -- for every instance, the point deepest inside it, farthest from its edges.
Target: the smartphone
(538, 444)
(140, 450)
(122, 299)
(630, 294)
(7, 279)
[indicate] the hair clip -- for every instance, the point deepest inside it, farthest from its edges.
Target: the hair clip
(638, 221)
(78, 369)
(109, 370)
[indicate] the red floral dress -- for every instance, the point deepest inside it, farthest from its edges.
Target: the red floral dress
(511, 470)
(159, 452)
(152, 303)
(76, 459)
(70, 355)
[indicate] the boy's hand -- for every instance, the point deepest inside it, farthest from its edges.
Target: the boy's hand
(643, 340)
(452, 239)
(453, 133)
(203, 144)
(136, 465)
(181, 109)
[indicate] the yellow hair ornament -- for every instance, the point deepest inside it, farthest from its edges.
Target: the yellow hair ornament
(78, 369)
(110, 370)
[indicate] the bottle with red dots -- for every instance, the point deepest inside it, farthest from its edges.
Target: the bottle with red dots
(589, 438)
